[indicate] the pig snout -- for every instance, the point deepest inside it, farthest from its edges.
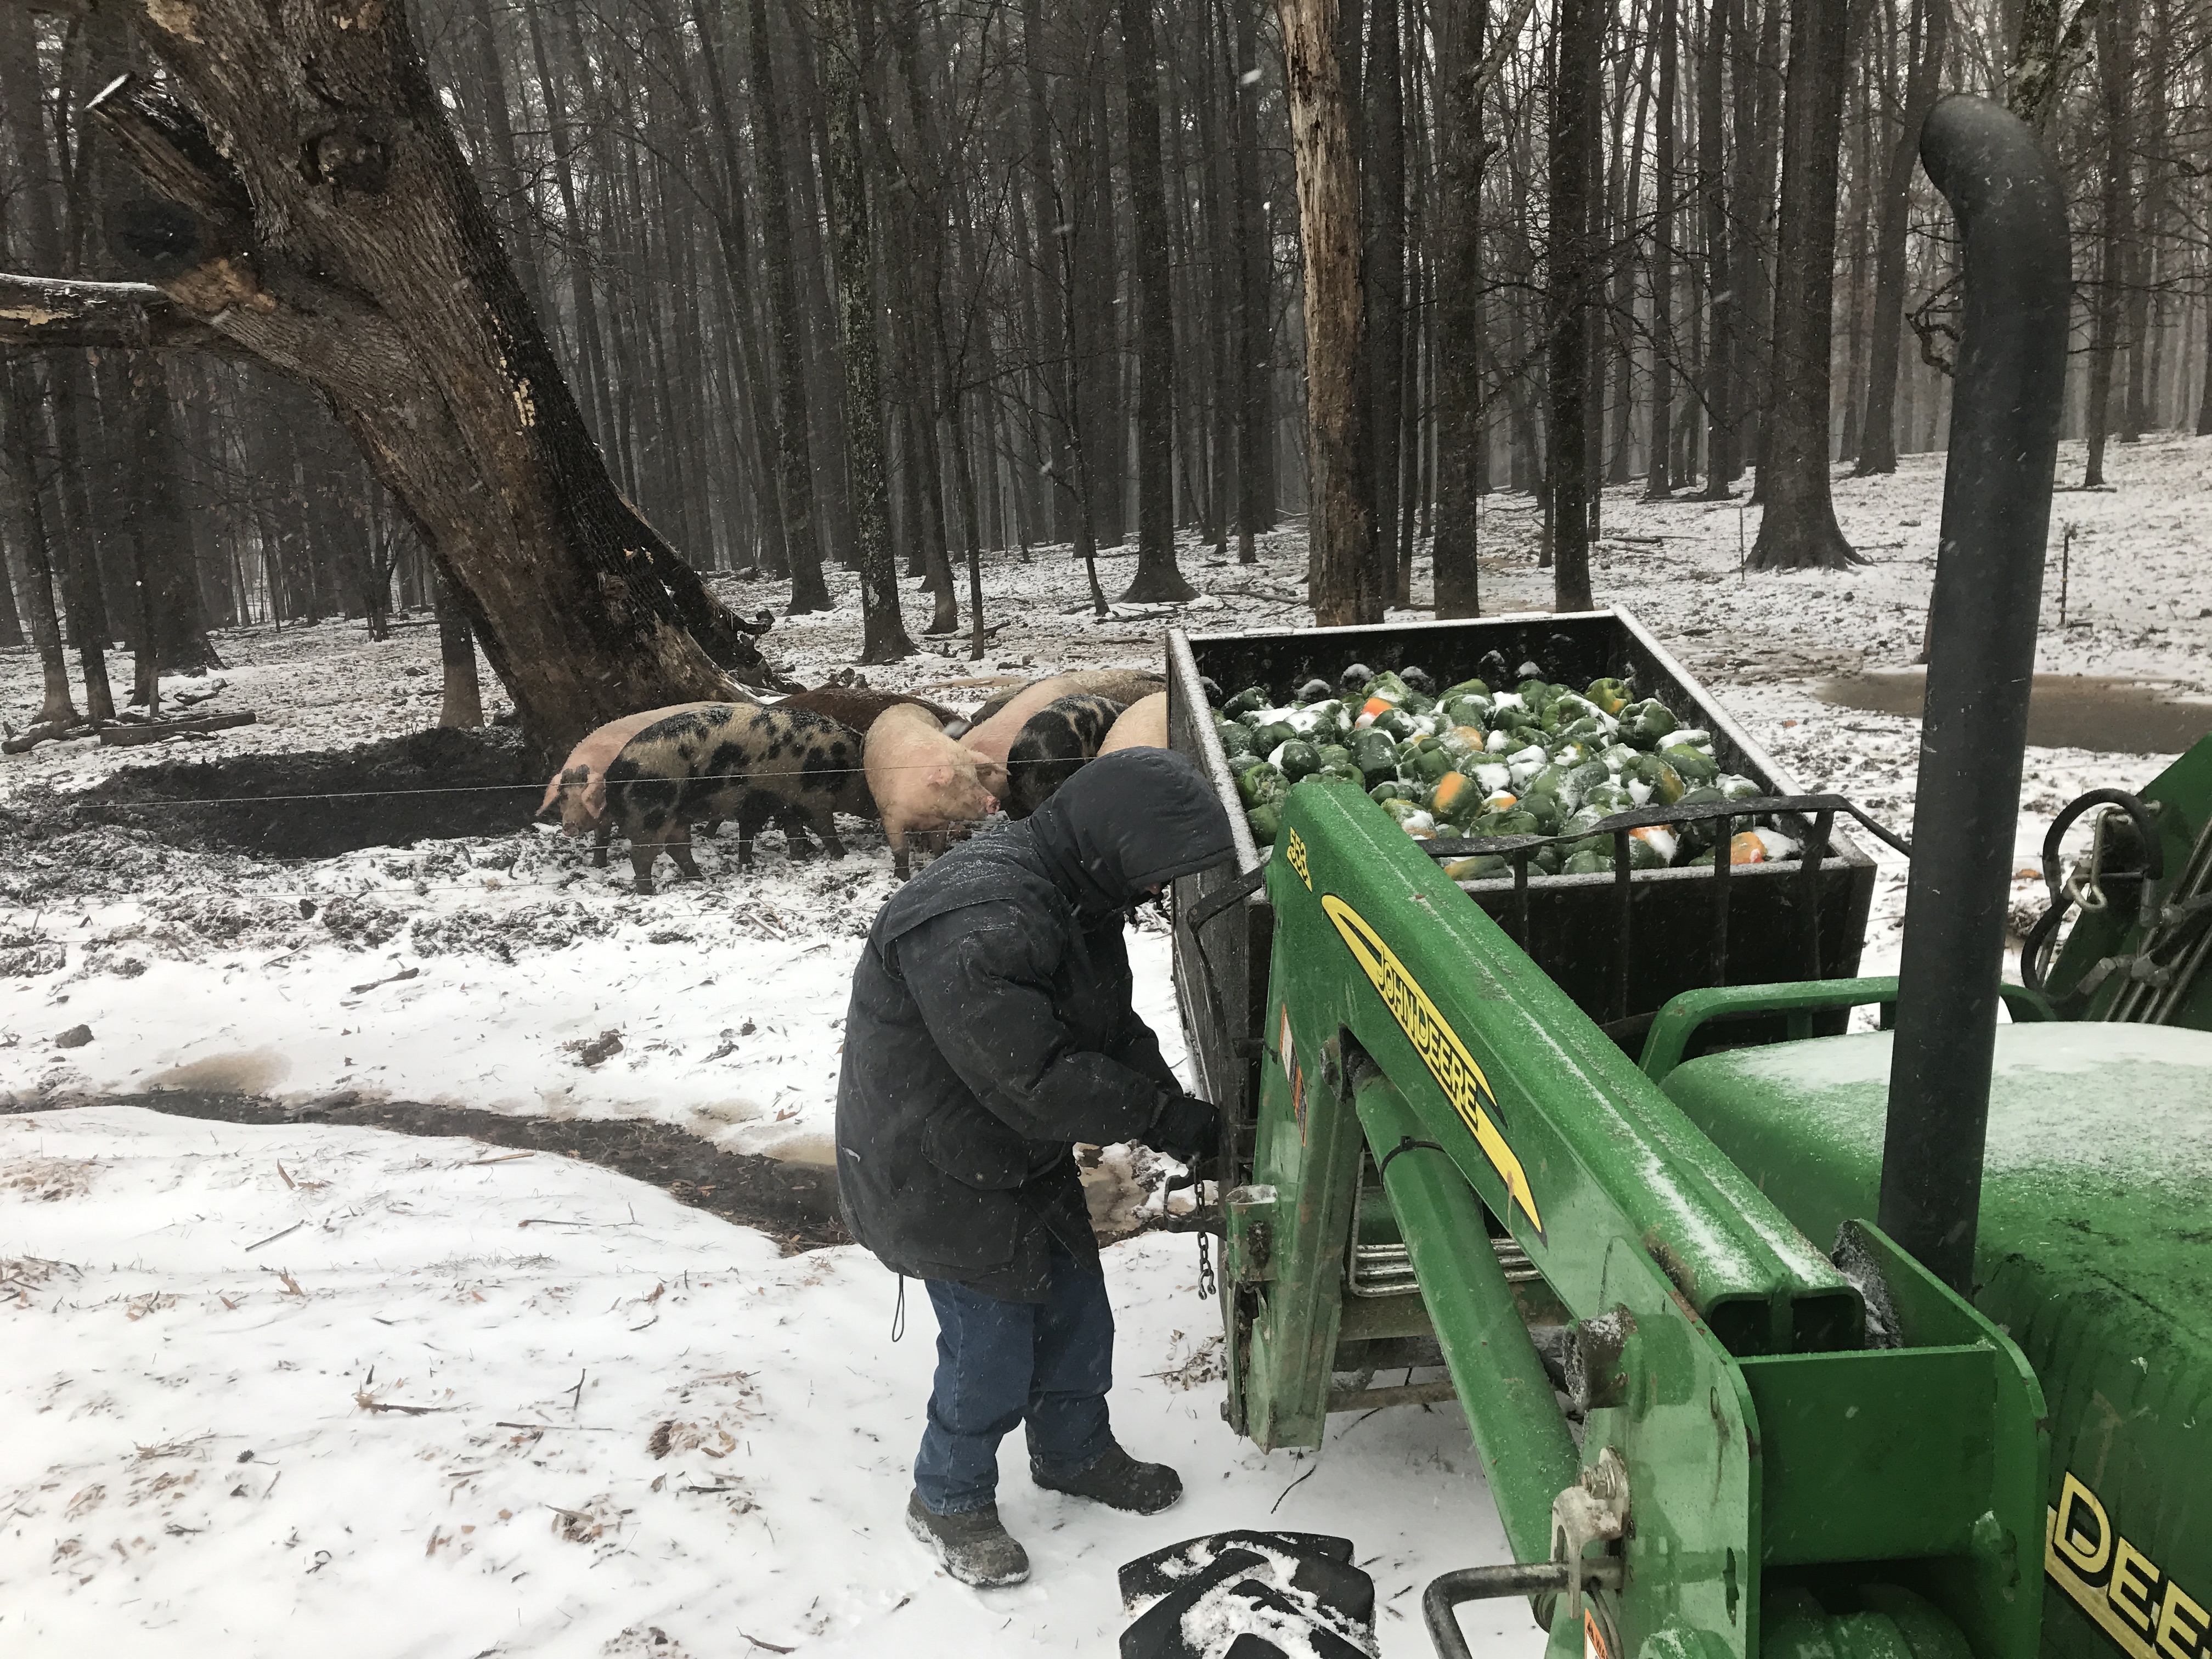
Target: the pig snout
(567, 794)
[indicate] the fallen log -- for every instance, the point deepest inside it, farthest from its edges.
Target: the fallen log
(22, 742)
(116, 737)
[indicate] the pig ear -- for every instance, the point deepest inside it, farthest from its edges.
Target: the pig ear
(595, 795)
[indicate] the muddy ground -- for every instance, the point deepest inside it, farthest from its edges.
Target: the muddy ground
(795, 1204)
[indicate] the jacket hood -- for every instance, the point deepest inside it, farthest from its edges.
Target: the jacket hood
(1128, 821)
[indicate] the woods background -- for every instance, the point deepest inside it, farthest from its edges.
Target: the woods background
(1543, 247)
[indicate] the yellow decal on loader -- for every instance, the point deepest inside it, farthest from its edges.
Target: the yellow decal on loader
(2149, 1615)
(1440, 1048)
(1294, 850)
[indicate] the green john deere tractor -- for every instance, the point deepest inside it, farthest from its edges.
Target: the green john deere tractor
(1776, 1342)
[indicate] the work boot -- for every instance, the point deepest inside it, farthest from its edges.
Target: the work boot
(1117, 1481)
(974, 1549)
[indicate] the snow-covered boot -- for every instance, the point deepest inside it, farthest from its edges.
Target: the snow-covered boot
(1117, 1481)
(974, 1549)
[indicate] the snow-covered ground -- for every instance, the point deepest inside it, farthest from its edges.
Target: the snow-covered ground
(338, 1392)
(506, 973)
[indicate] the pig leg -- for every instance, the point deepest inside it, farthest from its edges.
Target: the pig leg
(896, 835)
(644, 851)
(795, 822)
(679, 849)
(752, 819)
(604, 833)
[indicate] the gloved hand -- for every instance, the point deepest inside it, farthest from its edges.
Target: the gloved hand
(1188, 1129)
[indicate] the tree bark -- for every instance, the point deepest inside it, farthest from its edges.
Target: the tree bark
(736, 243)
(165, 560)
(462, 701)
(425, 345)
(795, 461)
(1659, 484)
(1572, 277)
(1255, 434)
(1926, 35)
(1344, 589)
(1157, 577)
(1758, 111)
(2053, 47)
(1463, 82)
(1721, 463)
(2115, 39)
(883, 629)
(1798, 530)
(23, 528)
(2154, 53)
(1383, 206)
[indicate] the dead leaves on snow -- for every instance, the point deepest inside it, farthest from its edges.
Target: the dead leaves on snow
(47, 1179)
(591, 1052)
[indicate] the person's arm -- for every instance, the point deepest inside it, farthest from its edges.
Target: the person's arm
(1137, 1045)
(982, 979)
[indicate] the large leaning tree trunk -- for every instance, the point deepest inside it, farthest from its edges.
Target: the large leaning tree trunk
(1798, 530)
(315, 215)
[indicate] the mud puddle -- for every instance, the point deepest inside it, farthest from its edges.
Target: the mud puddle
(2064, 711)
(794, 1204)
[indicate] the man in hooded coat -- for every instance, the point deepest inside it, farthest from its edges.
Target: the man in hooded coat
(990, 1028)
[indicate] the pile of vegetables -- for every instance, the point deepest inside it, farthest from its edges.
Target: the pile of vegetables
(1469, 761)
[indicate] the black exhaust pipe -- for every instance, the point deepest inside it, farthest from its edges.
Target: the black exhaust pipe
(1982, 625)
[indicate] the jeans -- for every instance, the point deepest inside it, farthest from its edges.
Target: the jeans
(1047, 1363)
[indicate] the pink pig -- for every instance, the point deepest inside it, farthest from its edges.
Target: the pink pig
(923, 782)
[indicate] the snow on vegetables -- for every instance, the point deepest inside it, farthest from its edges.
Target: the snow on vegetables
(1540, 759)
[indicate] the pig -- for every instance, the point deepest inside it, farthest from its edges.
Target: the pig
(922, 781)
(992, 737)
(788, 767)
(856, 709)
(584, 772)
(1143, 725)
(1055, 742)
(1122, 685)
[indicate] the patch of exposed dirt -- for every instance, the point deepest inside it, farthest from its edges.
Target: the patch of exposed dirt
(795, 1204)
(436, 784)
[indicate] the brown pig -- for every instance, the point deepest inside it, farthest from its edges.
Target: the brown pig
(1142, 725)
(855, 709)
(1122, 685)
(922, 781)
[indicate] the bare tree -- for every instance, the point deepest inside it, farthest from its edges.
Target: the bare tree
(1575, 278)
(427, 349)
(1799, 529)
(1344, 589)
(883, 637)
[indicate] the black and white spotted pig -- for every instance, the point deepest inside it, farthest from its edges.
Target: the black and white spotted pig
(738, 761)
(1056, 740)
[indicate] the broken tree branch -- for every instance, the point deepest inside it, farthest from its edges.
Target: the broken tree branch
(47, 314)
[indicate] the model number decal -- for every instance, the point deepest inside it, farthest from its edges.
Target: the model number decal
(2149, 1615)
(1440, 1048)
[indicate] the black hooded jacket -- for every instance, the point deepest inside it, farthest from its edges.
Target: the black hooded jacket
(990, 1027)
